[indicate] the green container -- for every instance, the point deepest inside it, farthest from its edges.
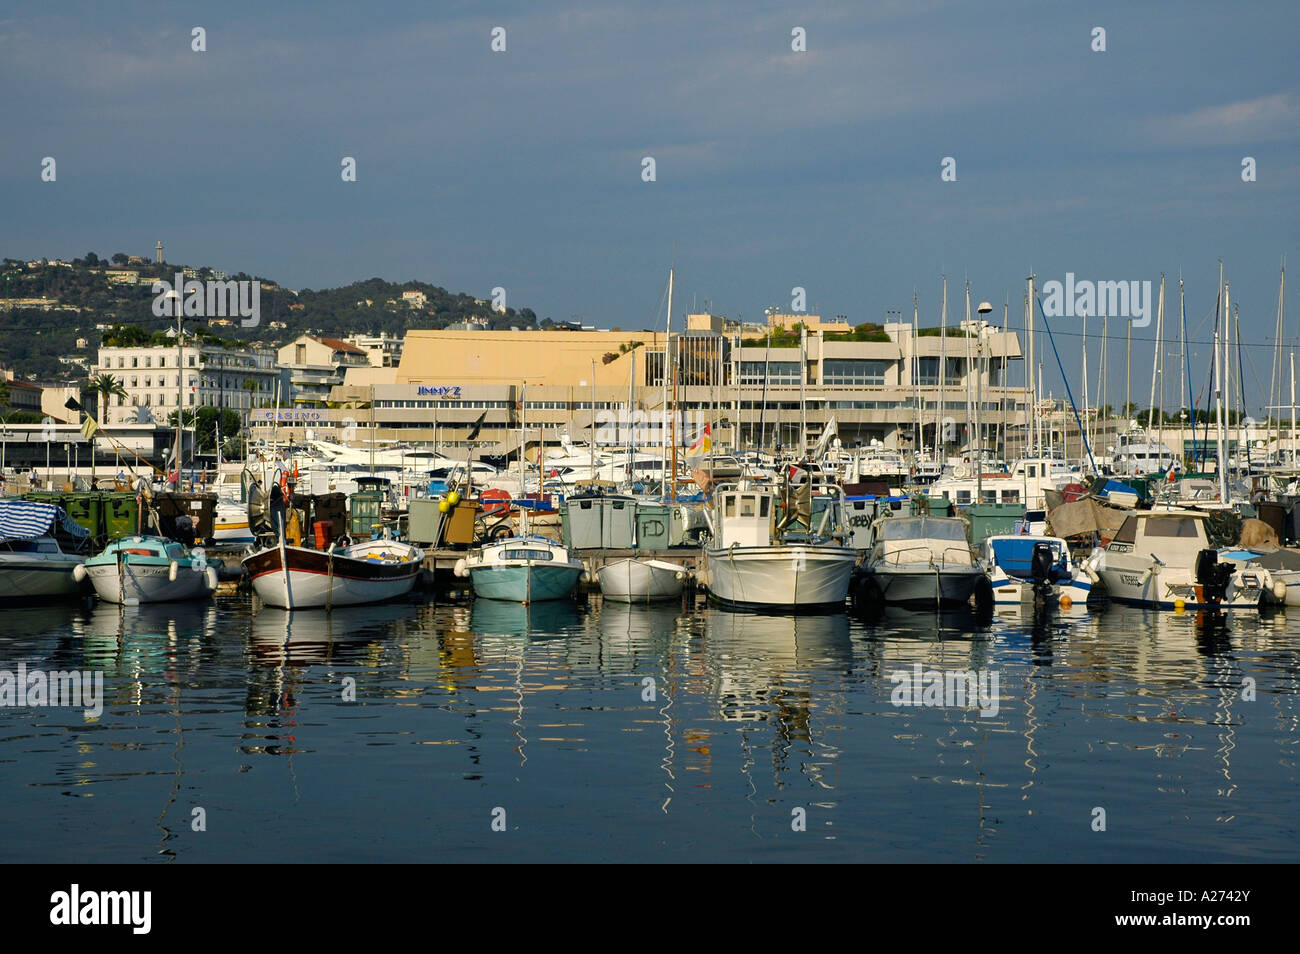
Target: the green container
(934, 506)
(107, 515)
(653, 526)
(367, 511)
(986, 520)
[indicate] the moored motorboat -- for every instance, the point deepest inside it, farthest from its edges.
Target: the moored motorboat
(1165, 559)
(641, 581)
(146, 569)
(922, 561)
(523, 569)
(1027, 568)
(33, 564)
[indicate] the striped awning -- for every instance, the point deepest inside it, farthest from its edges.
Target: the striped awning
(25, 520)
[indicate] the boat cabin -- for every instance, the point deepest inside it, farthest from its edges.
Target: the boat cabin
(746, 517)
(939, 540)
(1175, 536)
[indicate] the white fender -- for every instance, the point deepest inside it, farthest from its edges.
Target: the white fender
(1279, 590)
(172, 569)
(459, 568)
(79, 573)
(210, 575)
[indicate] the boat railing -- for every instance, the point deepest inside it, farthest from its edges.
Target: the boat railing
(965, 556)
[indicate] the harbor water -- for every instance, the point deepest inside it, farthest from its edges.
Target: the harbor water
(597, 732)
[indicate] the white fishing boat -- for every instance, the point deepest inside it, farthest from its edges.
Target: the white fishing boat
(641, 581)
(33, 564)
(923, 561)
(1165, 559)
(371, 571)
(1028, 568)
(522, 569)
(764, 560)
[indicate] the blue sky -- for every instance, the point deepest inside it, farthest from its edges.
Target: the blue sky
(774, 168)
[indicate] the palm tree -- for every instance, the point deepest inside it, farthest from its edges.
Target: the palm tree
(105, 387)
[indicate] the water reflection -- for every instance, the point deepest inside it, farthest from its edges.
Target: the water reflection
(672, 731)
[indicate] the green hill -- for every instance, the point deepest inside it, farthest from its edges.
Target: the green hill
(77, 296)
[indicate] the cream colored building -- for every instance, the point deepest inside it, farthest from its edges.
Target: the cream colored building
(577, 382)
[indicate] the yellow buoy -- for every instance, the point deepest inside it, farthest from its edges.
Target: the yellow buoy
(1066, 602)
(453, 498)
(1180, 605)
(443, 506)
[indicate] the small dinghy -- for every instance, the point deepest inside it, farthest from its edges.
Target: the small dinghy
(641, 581)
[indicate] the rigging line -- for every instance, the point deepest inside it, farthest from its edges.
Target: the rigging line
(1268, 341)
(1066, 380)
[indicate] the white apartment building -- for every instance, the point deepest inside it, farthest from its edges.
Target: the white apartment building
(198, 374)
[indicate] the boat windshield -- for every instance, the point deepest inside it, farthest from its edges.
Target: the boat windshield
(527, 555)
(922, 528)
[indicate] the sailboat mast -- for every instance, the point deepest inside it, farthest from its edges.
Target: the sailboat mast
(1182, 351)
(943, 370)
(1002, 373)
(917, 444)
(1083, 429)
(1227, 366)
(667, 412)
(966, 340)
(1158, 365)
(672, 480)
(1218, 405)
(1032, 430)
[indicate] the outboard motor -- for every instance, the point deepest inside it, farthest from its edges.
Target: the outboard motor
(1212, 576)
(1042, 566)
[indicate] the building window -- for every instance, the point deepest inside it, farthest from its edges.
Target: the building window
(190, 361)
(854, 372)
(777, 373)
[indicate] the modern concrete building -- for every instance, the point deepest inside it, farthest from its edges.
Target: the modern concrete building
(599, 383)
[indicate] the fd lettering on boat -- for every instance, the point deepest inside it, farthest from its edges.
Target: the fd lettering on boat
(75, 907)
(959, 689)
